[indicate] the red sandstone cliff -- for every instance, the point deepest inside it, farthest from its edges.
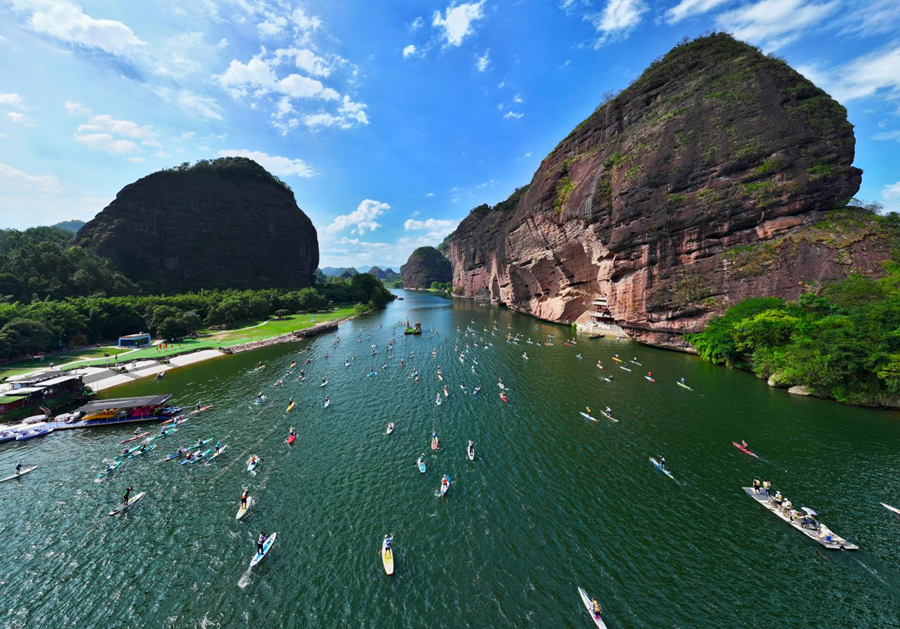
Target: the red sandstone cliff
(712, 178)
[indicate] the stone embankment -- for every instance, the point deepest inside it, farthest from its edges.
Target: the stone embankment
(290, 337)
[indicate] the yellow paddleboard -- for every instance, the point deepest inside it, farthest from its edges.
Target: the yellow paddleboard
(387, 558)
(291, 407)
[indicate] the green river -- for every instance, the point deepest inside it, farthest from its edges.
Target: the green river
(552, 501)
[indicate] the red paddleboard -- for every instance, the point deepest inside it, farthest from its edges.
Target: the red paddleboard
(291, 439)
(743, 449)
(136, 437)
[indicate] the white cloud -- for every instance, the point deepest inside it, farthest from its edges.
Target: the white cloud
(887, 135)
(14, 180)
(106, 142)
(20, 119)
(430, 194)
(161, 154)
(871, 18)
(348, 113)
(12, 100)
(518, 99)
(875, 73)
(437, 228)
(409, 51)
(67, 22)
(618, 19)
(775, 23)
(76, 109)
(136, 160)
(203, 105)
(416, 24)
(205, 149)
(362, 219)
(308, 61)
(456, 23)
(187, 135)
(691, 8)
(512, 114)
(483, 61)
(891, 195)
(281, 166)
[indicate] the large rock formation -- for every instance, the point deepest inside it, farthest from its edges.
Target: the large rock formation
(711, 178)
(225, 223)
(425, 265)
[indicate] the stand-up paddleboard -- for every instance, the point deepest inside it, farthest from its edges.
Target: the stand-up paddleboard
(390, 429)
(251, 465)
(27, 470)
(598, 620)
(290, 407)
(470, 452)
(657, 465)
(243, 510)
(291, 439)
(126, 505)
(139, 452)
(327, 403)
(265, 550)
(221, 450)
(684, 386)
(888, 507)
(586, 416)
(443, 489)
(609, 417)
(387, 558)
(421, 465)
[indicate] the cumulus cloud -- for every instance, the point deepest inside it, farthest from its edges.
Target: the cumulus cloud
(15, 180)
(12, 100)
(891, 195)
(456, 23)
(409, 51)
(690, 8)
(348, 114)
(102, 132)
(512, 114)
(76, 109)
(775, 23)
(203, 105)
(483, 61)
(68, 23)
(416, 24)
(362, 219)
(437, 228)
(875, 73)
(275, 164)
(617, 20)
(20, 119)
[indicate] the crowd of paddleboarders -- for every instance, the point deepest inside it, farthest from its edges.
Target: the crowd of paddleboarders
(467, 346)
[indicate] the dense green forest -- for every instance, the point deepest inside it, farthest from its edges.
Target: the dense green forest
(841, 341)
(53, 295)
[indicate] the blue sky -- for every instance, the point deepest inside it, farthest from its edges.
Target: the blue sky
(390, 120)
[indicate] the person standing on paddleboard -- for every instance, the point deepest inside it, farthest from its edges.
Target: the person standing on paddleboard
(244, 497)
(127, 495)
(19, 467)
(260, 542)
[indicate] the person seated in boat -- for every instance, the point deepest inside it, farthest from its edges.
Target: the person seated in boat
(188, 456)
(109, 467)
(217, 446)
(756, 485)
(807, 522)
(786, 505)
(744, 443)
(260, 542)
(662, 462)
(444, 481)
(596, 606)
(199, 442)
(778, 499)
(143, 447)
(244, 497)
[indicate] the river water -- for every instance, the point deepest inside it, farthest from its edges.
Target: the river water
(552, 501)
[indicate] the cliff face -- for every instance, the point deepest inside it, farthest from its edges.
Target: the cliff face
(221, 224)
(425, 265)
(708, 180)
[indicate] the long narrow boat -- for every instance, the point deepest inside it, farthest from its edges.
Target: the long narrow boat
(888, 507)
(598, 620)
(586, 416)
(110, 470)
(744, 450)
(609, 417)
(821, 534)
(136, 437)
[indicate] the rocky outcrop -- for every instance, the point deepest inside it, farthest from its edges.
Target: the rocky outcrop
(225, 223)
(712, 178)
(425, 265)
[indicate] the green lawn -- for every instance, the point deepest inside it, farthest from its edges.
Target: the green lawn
(26, 366)
(208, 340)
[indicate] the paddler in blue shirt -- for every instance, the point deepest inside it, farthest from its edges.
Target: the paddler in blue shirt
(387, 542)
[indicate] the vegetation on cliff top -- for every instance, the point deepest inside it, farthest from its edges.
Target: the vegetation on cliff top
(232, 167)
